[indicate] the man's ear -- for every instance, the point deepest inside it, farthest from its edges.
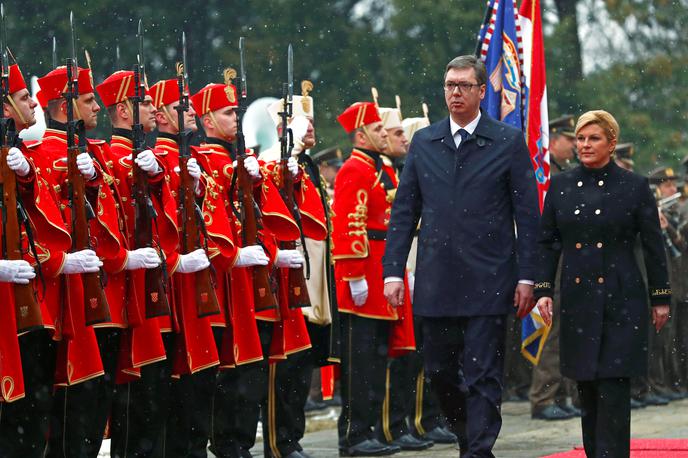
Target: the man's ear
(160, 118)
(63, 107)
(122, 111)
(6, 110)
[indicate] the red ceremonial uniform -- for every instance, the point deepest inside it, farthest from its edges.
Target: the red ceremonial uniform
(196, 350)
(362, 207)
(143, 343)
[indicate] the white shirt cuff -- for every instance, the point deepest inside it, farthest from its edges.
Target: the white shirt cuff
(527, 282)
(393, 279)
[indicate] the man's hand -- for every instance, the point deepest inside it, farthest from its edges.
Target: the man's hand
(394, 292)
(84, 163)
(523, 299)
(18, 271)
(544, 305)
(148, 163)
(663, 222)
(17, 162)
(660, 315)
(143, 258)
(359, 291)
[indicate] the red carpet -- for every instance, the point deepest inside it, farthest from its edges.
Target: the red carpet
(642, 448)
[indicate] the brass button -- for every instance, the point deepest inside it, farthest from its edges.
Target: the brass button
(598, 211)
(599, 245)
(578, 280)
(580, 184)
(600, 183)
(579, 246)
(576, 212)
(600, 280)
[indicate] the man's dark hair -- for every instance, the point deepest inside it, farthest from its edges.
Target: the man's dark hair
(468, 61)
(352, 134)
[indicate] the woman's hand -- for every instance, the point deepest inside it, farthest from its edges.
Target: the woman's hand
(660, 315)
(544, 305)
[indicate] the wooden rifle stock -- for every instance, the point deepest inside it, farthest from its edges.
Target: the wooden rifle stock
(263, 296)
(206, 299)
(157, 303)
(298, 291)
(27, 309)
(96, 307)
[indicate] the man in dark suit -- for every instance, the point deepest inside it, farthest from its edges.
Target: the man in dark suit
(468, 179)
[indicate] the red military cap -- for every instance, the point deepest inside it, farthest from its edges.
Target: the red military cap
(54, 84)
(117, 87)
(214, 97)
(164, 93)
(358, 115)
(16, 78)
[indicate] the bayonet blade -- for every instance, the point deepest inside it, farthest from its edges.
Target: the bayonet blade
(290, 73)
(74, 59)
(186, 69)
(3, 43)
(140, 37)
(242, 69)
(117, 58)
(54, 53)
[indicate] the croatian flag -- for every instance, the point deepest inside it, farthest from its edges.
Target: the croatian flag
(500, 50)
(536, 130)
(535, 119)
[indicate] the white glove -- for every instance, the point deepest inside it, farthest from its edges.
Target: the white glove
(79, 262)
(252, 167)
(252, 256)
(193, 262)
(84, 163)
(16, 272)
(293, 166)
(193, 168)
(147, 162)
(291, 259)
(17, 162)
(142, 258)
(359, 291)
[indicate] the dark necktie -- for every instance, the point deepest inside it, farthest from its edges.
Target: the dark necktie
(463, 133)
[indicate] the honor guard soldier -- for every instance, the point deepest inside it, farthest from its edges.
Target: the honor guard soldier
(140, 407)
(411, 416)
(28, 369)
(364, 191)
(293, 377)
(253, 331)
(83, 397)
(195, 356)
(549, 390)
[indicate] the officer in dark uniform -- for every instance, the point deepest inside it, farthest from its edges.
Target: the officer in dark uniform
(666, 374)
(549, 390)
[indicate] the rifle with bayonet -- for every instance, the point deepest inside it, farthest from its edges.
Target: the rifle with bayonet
(97, 309)
(157, 303)
(189, 211)
(298, 291)
(27, 309)
(263, 295)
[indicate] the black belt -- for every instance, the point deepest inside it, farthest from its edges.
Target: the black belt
(377, 235)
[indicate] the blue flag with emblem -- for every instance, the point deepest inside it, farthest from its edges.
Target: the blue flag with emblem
(534, 334)
(501, 50)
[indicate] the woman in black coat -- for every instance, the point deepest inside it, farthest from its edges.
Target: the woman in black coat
(593, 217)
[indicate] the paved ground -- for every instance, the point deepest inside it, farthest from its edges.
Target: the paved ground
(521, 437)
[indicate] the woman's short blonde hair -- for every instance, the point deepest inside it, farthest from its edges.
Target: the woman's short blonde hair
(603, 119)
